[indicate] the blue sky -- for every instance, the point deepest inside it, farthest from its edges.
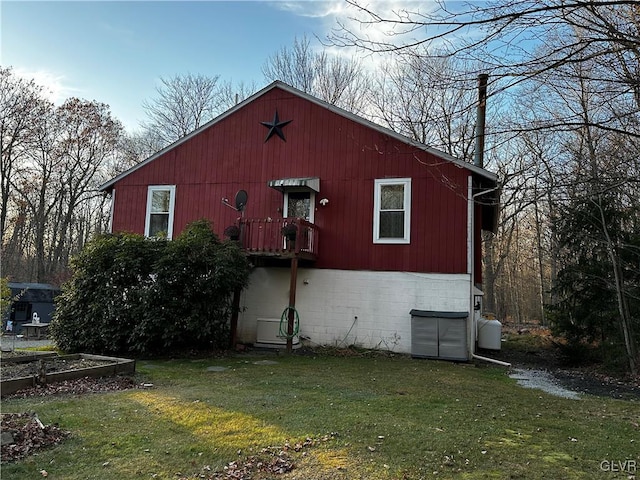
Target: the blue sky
(115, 52)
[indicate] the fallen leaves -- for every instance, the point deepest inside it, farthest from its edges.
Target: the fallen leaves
(27, 432)
(78, 386)
(268, 461)
(47, 365)
(28, 435)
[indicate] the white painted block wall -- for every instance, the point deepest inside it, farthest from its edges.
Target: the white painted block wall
(345, 307)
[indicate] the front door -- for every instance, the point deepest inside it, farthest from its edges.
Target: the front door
(299, 205)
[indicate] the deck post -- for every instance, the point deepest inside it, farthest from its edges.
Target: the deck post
(292, 302)
(235, 310)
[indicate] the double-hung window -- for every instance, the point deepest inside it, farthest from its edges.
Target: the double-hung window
(392, 210)
(161, 200)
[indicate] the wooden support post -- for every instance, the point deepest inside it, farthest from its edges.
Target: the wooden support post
(235, 310)
(292, 302)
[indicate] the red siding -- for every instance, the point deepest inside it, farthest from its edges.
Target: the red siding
(347, 156)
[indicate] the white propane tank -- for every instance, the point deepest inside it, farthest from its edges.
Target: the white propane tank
(489, 334)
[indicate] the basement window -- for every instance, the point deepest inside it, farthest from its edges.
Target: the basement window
(392, 210)
(160, 206)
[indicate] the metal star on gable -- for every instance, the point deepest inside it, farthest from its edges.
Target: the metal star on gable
(275, 127)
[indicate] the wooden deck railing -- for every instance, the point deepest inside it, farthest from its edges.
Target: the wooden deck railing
(264, 236)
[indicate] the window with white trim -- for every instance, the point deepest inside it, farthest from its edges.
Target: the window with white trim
(161, 201)
(392, 210)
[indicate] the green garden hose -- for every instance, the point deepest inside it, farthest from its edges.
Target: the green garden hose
(284, 321)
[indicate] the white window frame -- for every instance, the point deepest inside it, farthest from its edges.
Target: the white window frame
(378, 184)
(312, 203)
(172, 203)
(112, 207)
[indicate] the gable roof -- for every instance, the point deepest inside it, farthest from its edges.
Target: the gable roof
(491, 177)
(33, 292)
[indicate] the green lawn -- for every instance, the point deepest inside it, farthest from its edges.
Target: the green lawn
(391, 418)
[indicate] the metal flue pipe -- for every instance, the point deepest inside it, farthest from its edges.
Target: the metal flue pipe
(478, 159)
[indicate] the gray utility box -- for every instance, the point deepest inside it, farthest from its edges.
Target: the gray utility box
(441, 335)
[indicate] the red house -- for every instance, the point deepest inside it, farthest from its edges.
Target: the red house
(386, 252)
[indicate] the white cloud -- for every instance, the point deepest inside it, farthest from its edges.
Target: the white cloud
(54, 86)
(363, 24)
(333, 18)
(314, 9)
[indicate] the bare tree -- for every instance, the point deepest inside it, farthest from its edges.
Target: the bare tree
(500, 36)
(184, 103)
(294, 66)
(231, 95)
(336, 80)
(21, 105)
(425, 99)
(54, 207)
(87, 140)
(134, 148)
(38, 185)
(579, 182)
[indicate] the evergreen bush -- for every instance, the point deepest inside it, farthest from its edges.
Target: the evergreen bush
(135, 296)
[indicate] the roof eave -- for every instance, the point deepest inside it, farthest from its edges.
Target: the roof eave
(108, 186)
(386, 131)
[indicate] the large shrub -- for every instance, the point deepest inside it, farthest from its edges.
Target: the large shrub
(136, 296)
(192, 292)
(5, 299)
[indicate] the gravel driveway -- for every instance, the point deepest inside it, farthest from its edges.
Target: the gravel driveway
(9, 342)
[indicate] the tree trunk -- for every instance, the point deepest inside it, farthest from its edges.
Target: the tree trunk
(623, 306)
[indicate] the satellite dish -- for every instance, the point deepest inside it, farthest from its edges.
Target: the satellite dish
(241, 200)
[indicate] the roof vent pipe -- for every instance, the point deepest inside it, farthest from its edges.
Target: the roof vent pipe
(478, 159)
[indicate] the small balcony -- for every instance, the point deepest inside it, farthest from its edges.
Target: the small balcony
(284, 238)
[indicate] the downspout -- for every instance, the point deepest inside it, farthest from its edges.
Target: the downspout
(471, 248)
(472, 329)
(471, 203)
(491, 360)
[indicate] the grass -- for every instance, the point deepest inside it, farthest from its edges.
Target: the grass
(391, 418)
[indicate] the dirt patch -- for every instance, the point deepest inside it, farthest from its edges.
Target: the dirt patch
(50, 365)
(598, 384)
(79, 386)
